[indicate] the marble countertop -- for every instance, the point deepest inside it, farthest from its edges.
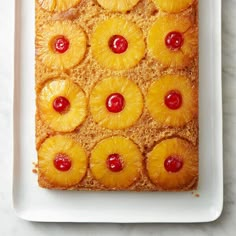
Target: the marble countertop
(11, 225)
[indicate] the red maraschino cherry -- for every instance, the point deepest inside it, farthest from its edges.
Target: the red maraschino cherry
(114, 163)
(173, 100)
(61, 104)
(115, 103)
(62, 162)
(174, 40)
(118, 44)
(61, 44)
(173, 164)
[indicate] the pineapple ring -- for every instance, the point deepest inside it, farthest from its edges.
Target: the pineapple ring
(157, 37)
(156, 100)
(105, 56)
(131, 158)
(173, 6)
(47, 153)
(182, 179)
(68, 121)
(68, 59)
(118, 5)
(133, 103)
(58, 5)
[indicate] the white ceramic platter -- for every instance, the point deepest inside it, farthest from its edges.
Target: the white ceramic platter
(36, 204)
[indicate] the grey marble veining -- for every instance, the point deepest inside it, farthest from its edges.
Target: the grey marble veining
(10, 225)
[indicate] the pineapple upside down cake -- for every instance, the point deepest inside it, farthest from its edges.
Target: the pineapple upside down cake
(117, 94)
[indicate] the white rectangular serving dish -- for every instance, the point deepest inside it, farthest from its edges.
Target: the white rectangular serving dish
(35, 204)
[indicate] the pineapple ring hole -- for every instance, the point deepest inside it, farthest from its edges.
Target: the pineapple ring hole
(173, 99)
(115, 163)
(62, 162)
(59, 44)
(118, 44)
(173, 163)
(174, 40)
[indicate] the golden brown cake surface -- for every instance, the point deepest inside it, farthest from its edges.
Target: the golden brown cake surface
(85, 72)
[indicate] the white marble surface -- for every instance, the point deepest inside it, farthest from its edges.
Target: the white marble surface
(11, 225)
